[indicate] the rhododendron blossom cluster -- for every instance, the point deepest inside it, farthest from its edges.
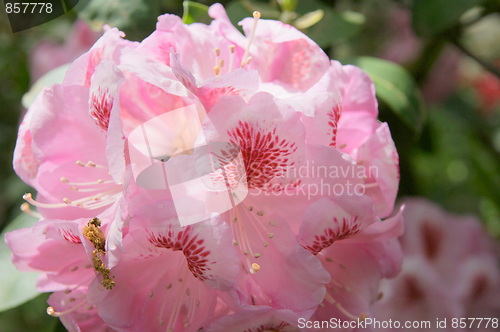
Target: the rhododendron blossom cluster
(206, 179)
(432, 284)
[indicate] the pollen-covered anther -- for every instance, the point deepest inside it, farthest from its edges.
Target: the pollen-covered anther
(64, 180)
(255, 268)
(95, 235)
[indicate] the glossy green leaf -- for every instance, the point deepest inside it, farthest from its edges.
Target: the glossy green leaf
(195, 12)
(396, 88)
(431, 17)
(136, 18)
(15, 287)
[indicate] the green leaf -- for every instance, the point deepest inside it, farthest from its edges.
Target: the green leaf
(335, 27)
(396, 88)
(136, 18)
(431, 17)
(15, 287)
(288, 5)
(195, 12)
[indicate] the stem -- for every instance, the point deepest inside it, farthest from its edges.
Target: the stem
(488, 66)
(428, 56)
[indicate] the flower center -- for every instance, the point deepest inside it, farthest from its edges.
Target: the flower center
(265, 155)
(249, 223)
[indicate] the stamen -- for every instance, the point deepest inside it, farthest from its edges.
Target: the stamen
(217, 70)
(232, 50)
(95, 235)
(331, 300)
(25, 207)
(52, 312)
(90, 183)
(256, 17)
(177, 303)
(255, 268)
(217, 67)
(29, 198)
(90, 164)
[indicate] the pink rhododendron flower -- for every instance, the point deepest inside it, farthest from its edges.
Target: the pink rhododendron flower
(439, 278)
(274, 151)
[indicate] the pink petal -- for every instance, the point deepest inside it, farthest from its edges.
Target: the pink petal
(283, 54)
(329, 220)
(257, 318)
(379, 157)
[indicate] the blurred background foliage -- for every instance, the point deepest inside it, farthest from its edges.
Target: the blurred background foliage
(435, 63)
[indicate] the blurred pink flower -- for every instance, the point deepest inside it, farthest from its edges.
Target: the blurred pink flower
(404, 47)
(450, 269)
(48, 55)
(309, 177)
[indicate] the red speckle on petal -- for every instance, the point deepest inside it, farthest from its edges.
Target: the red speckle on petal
(283, 326)
(333, 121)
(69, 236)
(100, 108)
(94, 59)
(341, 230)
(209, 96)
(264, 153)
(191, 246)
